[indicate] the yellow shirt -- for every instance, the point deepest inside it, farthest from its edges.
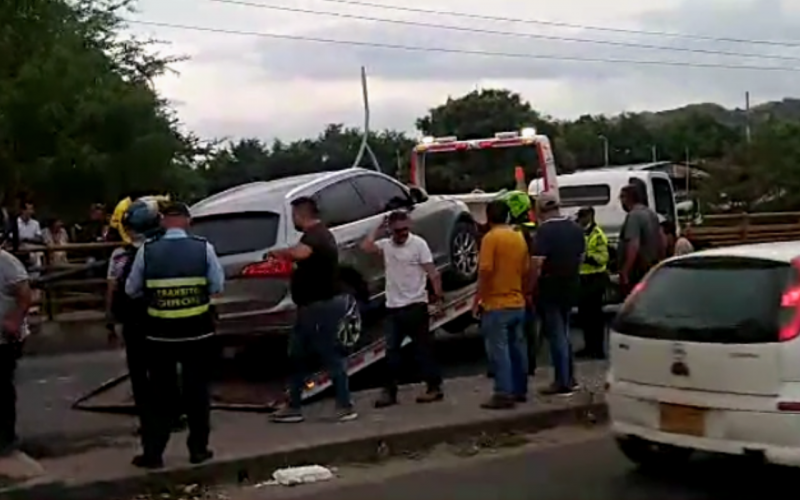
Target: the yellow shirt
(503, 263)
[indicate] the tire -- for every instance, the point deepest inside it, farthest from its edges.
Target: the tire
(351, 328)
(653, 456)
(463, 254)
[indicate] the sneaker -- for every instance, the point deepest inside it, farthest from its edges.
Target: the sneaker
(346, 415)
(386, 399)
(557, 390)
(499, 402)
(200, 457)
(146, 462)
(430, 396)
(287, 416)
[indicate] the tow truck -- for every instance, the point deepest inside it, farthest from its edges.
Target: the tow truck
(453, 314)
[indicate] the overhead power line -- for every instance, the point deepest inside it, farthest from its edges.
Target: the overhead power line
(537, 36)
(445, 50)
(560, 24)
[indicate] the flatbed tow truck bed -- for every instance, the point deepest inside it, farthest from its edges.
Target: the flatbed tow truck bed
(114, 396)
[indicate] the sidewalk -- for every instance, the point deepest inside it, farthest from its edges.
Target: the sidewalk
(249, 448)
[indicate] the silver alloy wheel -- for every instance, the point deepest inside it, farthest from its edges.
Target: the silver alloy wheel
(350, 327)
(465, 253)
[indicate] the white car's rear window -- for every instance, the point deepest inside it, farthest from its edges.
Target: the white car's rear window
(709, 299)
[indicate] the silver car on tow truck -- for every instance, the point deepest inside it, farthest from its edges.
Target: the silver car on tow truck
(245, 222)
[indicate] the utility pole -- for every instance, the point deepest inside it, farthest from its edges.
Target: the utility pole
(687, 171)
(605, 148)
(747, 132)
(655, 153)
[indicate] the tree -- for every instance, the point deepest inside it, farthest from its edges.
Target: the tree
(79, 119)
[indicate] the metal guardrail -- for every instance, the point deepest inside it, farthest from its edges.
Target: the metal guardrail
(77, 284)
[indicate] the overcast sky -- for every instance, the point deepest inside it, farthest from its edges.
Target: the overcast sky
(256, 86)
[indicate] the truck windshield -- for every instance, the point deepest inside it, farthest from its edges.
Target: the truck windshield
(490, 169)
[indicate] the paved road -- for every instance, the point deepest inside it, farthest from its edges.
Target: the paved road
(586, 469)
(48, 386)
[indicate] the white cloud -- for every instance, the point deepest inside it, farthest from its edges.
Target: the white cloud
(240, 85)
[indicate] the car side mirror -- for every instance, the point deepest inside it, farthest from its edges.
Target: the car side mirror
(418, 195)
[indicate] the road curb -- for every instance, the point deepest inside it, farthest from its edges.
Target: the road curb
(257, 467)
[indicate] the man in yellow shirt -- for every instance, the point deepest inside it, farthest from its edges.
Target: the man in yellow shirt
(503, 284)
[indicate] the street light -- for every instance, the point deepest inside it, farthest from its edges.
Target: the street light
(605, 148)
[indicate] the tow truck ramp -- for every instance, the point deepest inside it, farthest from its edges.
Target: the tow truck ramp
(114, 396)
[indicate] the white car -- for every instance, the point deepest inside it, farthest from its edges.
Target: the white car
(705, 356)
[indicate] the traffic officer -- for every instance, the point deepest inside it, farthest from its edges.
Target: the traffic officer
(138, 223)
(176, 275)
(594, 279)
(519, 209)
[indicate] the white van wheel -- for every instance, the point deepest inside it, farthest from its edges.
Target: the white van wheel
(652, 456)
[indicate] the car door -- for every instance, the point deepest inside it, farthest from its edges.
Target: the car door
(343, 210)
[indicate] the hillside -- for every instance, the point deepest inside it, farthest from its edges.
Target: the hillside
(786, 109)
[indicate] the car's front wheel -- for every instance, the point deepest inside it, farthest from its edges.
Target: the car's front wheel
(653, 456)
(463, 254)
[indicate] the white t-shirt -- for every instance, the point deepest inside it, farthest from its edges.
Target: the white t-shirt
(405, 277)
(29, 230)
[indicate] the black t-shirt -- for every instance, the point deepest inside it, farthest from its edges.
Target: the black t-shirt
(317, 278)
(561, 242)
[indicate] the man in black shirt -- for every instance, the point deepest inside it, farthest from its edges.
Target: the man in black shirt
(320, 310)
(558, 248)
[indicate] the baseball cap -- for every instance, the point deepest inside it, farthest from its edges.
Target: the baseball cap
(547, 201)
(177, 208)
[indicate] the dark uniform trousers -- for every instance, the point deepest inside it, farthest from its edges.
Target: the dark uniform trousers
(195, 358)
(590, 311)
(179, 332)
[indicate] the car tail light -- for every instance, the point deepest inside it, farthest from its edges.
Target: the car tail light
(268, 268)
(790, 301)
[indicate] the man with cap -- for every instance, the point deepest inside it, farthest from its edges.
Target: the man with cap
(558, 253)
(177, 274)
(594, 278)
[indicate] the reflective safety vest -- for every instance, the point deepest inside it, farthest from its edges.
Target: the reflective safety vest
(596, 260)
(176, 289)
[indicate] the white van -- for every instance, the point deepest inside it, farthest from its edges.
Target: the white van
(600, 187)
(705, 355)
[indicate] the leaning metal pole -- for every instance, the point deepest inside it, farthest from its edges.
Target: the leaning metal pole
(365, 140)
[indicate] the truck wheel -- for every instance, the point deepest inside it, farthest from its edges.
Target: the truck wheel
(653, 456)
(463, 267)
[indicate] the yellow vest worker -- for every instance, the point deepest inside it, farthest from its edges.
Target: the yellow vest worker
(596, 260)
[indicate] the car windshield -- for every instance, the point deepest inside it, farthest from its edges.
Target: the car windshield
(704, 299)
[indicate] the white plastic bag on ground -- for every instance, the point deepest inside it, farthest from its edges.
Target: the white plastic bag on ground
(306, 474)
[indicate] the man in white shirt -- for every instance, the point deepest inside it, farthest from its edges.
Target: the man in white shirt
(409, 265)
(30, 233)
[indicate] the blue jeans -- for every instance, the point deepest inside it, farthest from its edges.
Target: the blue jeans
(507, 350)
(316, 332)
(555, 327)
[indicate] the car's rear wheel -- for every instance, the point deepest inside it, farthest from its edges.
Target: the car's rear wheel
(351, 327)
(463, 255)
(653, 456)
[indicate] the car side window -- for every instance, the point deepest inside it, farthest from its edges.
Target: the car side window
(664, 198)
(340, 204)
(642, 187)
(382, 195)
